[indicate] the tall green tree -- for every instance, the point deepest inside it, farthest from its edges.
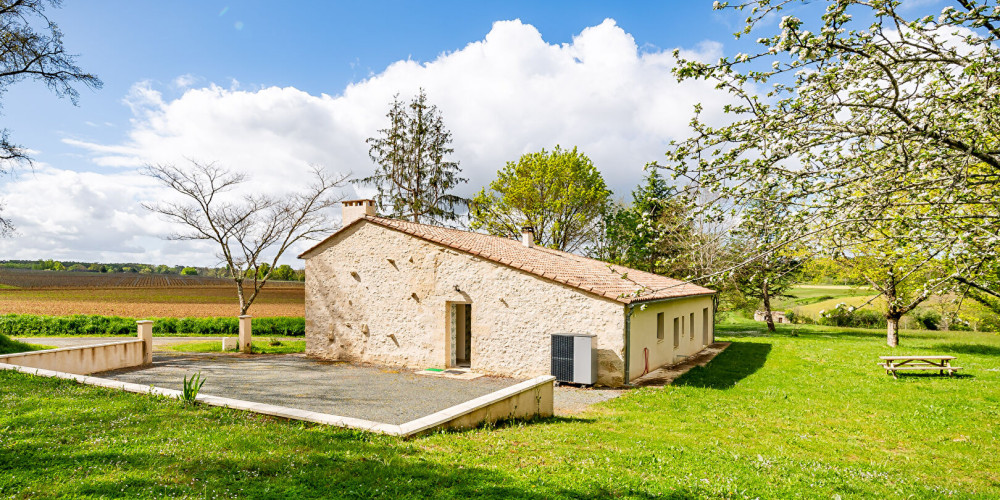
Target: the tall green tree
(651, 234)
(31, 48)
(413, 174)
(560, 193)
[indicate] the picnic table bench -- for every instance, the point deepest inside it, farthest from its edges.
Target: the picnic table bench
(893, 364)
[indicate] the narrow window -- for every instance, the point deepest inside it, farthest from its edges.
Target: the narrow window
(677, 332)
(705, 327)
(659, 327)
(691, 327)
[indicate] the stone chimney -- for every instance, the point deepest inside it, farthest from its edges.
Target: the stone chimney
(356, 209)
(528, 236)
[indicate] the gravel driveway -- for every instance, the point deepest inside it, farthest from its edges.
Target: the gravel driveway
(391, 396)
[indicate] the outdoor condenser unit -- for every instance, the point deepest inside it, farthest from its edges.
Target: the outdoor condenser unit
(574, 358)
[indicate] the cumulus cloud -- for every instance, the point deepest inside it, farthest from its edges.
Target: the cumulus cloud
(503, 96)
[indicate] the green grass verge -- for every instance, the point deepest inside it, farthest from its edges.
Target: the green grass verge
(11, 346)
(30, 325)
(774, 416)
(261, 347)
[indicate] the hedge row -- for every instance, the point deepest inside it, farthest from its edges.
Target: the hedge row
(31, 325)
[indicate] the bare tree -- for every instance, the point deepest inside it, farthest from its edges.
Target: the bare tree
(29, 53)
(251, 233)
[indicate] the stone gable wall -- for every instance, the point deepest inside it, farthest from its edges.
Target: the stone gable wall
(380, 296)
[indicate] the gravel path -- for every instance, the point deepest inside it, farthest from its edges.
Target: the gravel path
(373, 393)
(169, 370)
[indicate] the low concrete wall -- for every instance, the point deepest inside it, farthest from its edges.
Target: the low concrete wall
(85, 359)
(529, 399)
(532, 398)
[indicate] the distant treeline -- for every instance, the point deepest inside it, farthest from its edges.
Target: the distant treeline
(283, 272)
(29, 325)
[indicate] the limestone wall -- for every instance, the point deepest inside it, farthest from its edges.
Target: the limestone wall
(691, 338)
(377, 295)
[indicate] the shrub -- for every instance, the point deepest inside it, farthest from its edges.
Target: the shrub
(927, 319)
(845, 315)
(33, 325)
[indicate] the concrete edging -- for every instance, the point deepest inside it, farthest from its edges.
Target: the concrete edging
(498, 405)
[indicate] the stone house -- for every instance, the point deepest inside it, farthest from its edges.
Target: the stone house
(399, 293)
(776, 316)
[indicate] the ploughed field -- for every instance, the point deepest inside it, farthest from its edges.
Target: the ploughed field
(138, 295)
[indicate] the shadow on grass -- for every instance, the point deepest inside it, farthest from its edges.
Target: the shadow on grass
(356, 467)
(737, 362)
(981, 349)
(933, 374)
(516, 423)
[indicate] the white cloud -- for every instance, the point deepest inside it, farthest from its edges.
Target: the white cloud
(185, 81)
(508, 94)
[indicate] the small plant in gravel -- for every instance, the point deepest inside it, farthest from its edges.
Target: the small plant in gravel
(191, 388)
(275, 342)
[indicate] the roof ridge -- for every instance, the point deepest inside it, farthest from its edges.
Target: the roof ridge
(611, 281)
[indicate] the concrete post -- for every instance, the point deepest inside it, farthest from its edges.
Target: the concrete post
(146, 335)
(245, 333)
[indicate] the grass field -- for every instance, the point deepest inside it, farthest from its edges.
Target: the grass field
(809, 300)
(10, 346)
(774, 416)
(261, 347)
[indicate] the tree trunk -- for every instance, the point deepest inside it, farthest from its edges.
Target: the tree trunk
(892, 331)
(767, 309)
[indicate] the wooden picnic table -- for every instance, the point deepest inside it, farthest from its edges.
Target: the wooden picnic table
(942, 364)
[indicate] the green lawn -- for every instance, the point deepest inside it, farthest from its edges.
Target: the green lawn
(804, 413)
(261, 347)
(10, 346)
(801, 295)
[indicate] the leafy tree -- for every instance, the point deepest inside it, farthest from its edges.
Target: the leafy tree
(987, 290)
(890, 124)
(249, 233)
(58, 266)
(189, 271)
(264, 270)
(77, 267)
(775, 265)
(651, 234)
(559, 193)
(283, 272)
(413, 176)
(28, 52)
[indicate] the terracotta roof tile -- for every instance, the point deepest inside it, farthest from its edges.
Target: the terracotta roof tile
(614, 282)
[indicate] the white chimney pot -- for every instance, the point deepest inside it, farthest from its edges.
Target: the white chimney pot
(528, 236)
(356, 209)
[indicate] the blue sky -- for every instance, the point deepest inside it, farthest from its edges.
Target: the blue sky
(271, 87)
(317, 47)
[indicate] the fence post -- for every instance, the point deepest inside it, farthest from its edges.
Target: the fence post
(146, 335)
(246, 331)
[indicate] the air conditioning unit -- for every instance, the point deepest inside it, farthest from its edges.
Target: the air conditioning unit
(574, 358)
